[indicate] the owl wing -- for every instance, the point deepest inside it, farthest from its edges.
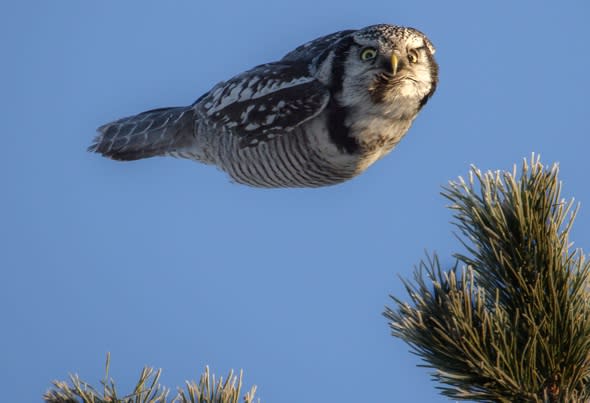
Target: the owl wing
(315, 48)
(265, 102)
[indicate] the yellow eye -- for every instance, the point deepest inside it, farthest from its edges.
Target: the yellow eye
(413, 56)
(368, 54)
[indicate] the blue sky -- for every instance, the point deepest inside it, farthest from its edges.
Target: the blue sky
(166, 263)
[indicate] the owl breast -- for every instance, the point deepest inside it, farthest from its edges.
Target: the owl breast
(304, 157)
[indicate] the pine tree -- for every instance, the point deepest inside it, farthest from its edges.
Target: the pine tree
(148, 390)
(510, 321)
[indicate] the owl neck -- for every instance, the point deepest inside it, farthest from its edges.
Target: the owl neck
(337, 122)
(339, 129)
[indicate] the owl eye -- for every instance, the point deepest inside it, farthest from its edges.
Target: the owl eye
(368, 54)
(413, 56)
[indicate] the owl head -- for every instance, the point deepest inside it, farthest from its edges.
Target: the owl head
(380, 64)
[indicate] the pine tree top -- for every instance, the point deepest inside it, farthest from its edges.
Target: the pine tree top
(510, 322)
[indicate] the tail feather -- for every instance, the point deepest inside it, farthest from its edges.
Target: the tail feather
(148, 134)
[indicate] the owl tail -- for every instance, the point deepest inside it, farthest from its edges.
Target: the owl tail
(148, 134)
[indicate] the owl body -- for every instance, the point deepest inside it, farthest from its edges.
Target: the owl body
(319, 116)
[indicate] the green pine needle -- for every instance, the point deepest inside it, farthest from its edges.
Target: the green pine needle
(510, 322)
(148, 390)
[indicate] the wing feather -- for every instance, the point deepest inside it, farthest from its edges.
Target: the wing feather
(265, 102)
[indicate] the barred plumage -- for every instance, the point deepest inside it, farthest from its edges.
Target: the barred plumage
(319, 116)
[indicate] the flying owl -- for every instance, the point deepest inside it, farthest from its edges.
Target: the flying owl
(319, 116)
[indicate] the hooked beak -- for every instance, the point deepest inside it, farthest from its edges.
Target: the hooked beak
(394, 63)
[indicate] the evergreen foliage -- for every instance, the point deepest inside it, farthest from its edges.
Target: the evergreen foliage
(148, 390)
(510, 322)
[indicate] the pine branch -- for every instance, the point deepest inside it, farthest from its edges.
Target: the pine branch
(511, 321)
(148, 390)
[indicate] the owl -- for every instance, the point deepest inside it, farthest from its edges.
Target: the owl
(319, 116)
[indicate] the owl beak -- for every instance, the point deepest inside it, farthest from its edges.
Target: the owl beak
(394, 63)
